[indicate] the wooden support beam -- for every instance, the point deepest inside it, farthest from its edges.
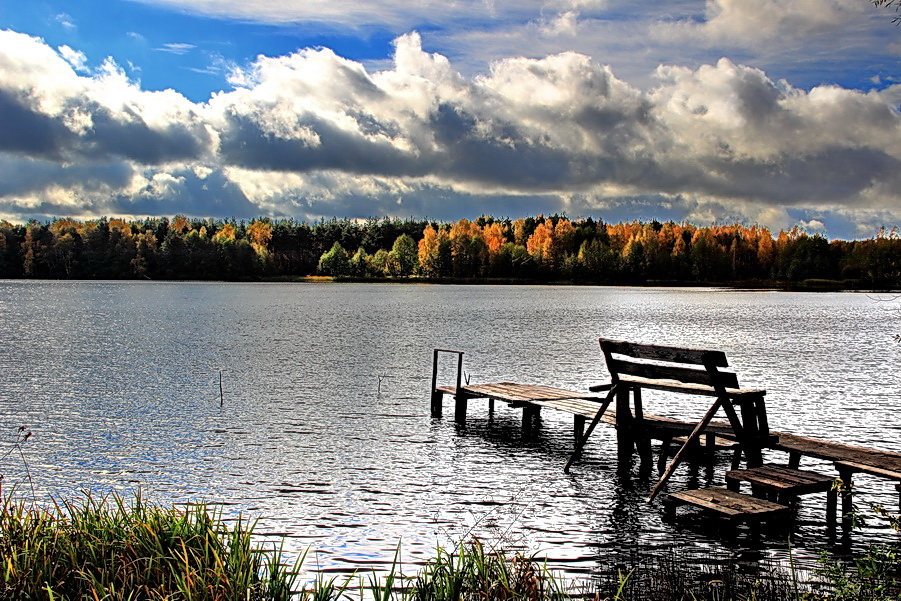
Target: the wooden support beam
(580, 444)
(688, 442)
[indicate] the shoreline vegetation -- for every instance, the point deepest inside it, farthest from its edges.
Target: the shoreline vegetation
(113, 549)
(533, 250)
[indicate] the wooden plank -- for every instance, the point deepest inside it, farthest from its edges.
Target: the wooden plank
(732, 505)
(719, 443)
(869, 469)
(783, 479)
(682, 387)
(664, 353)
(580, 444)
(874, 459)
(685, 375)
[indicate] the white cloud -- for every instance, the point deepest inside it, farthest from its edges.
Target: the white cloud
(395, 14)
(75, 58)
(176, 48)
(65, 20)
(313, 134)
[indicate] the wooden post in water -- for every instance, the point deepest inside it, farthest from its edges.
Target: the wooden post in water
(578, 427)
(221, 397)
(846, 476)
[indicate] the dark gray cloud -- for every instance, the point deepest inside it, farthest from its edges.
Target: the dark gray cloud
(208, 195)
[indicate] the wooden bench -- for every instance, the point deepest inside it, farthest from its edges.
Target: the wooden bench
(635, 368)
(783, 484)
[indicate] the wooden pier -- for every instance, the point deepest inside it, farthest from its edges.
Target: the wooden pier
(634, 368)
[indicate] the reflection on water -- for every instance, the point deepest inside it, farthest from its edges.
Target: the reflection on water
(119, 383)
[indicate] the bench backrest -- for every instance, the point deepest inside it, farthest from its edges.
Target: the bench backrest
(654, 362)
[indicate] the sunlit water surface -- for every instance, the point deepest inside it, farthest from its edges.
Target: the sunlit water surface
(325, 432)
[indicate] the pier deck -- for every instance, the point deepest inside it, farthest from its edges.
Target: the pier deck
(747, 431)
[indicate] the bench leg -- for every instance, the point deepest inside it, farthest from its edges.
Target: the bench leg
(624, 436)
(794, 460)
(642, 439)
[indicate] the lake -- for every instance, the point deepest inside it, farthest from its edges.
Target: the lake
(324, 430)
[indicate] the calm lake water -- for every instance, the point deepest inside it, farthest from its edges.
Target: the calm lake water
(119, 383)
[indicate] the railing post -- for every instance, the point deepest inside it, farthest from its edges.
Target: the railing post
(437, 395)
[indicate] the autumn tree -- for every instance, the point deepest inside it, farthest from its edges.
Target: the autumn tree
(434, 252)
(469, 254)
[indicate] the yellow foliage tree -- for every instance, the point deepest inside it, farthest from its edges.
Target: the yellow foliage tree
(226, 234)
(260, 234)
(539, 243)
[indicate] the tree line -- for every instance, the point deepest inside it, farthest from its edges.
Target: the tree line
(538, 248)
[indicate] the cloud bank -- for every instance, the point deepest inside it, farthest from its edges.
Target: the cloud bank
(313, 134)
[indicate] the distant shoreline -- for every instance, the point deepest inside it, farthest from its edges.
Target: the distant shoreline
(811, 285)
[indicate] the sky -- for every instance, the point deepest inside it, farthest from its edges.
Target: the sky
(781, 113)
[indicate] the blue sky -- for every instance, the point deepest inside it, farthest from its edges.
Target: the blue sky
(778, 112)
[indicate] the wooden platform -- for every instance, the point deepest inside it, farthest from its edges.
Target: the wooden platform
(579, 403)
(637, 367)
(570, 401)
(731, 505)
(782, 479)
(882, 463)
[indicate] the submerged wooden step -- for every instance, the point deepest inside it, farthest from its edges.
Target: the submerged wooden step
(731, 505)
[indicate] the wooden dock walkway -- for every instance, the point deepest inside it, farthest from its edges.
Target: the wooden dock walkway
(746, 433)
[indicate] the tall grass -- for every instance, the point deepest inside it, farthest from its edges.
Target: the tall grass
(110, 549)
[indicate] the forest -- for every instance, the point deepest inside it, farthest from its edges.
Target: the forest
(533, 249)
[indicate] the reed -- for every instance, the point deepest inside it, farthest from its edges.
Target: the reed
(111, 549)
